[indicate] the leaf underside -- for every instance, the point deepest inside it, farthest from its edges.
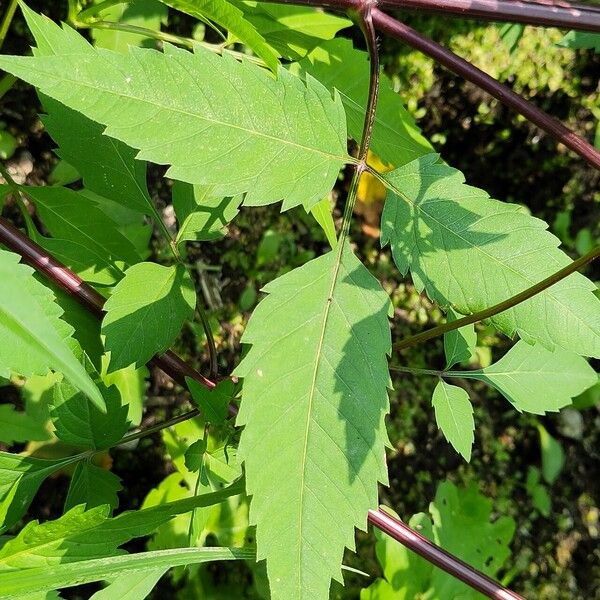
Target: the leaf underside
(313, 408)
(470, 252)
(282, 139)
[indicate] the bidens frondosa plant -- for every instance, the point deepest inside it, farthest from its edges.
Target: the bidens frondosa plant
(308, 444)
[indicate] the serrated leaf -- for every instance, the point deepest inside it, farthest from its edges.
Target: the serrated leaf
(201, 215)
(92, 486)
(313, 407)
(459, 344)
(536, 380)
(259, 141)
(147, 14)
(471, 252)
(86, 571)
(581, 39)
(213, 403)
(454, 416)
(293, 30)
(230, 17)
(80, 423)
(80, 534)
(71, 216)
(20, 479)
(396, 137)
(131, 383)
(321, 211)
(34, 339)
(108, 167)
(146, 312)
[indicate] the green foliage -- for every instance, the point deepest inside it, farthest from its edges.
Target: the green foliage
(230, 17)
(396, 138)
(454, 416)
(319, 343)
(460, 523)
(470, 252)
(146, 312)
(34, 339)
(312, 386)
(536, 380)
(265, 126)
(581, 39)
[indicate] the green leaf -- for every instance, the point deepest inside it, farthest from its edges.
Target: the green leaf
(80, 423)
(17, 426)
(149, 14)
(470, 252)
(259, 141)
(581, 39)
(462, 525)
(553, 456)
(146, 312)
(135, 586)
(71, 216)
(213, 403)
(537, 492)
(454, 416)
(80, 535)
(20, 479)
(459, 344)
(107, 166)
(231, 18)
(319, 343)
(536, 380)
(293, 30)
(86, 571)
(34, 339)
(396, 137)
(92, 486)
(201, 215)
(131, 383)
(321, 211)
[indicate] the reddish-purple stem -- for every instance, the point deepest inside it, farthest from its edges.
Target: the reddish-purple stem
(87, 296)
(547, 13)
(504, 94)
(434, 554)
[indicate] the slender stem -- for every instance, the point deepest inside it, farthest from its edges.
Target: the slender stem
(415, 371)
(95, 9)
(547, 13)
(163, 36)
(7, 20)
(212, 348)
(501, 306)
(87, 296)
(439, 557)
(158, 427)
(6, 83)
(481, 79)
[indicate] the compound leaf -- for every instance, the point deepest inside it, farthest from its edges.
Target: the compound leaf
(34, 338)
(471, 252)
(313, 408)
(146, 312)
(454, 416)
(535, 379)
(230, 17)
(396, 137)
(280, 139)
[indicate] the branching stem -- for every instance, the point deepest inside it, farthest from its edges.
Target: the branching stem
(501, 306)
